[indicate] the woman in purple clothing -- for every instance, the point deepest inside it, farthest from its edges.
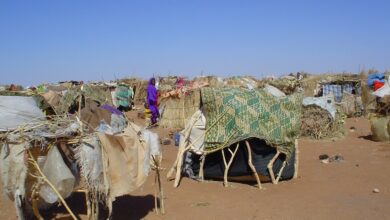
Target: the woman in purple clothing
(151, 99)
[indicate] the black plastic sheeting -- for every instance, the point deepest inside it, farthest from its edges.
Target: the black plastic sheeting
(261, 155)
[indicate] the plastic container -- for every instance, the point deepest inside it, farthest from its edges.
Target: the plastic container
(177, 139)
(41, 161)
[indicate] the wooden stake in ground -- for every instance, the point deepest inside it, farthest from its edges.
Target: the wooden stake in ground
(160, 189)
(228, 164)
(201, 169)
(296, 164)
(270, 166)
(36, 166)
(248, 147)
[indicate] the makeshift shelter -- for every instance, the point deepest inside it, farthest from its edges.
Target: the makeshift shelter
(346, 90)
(231, 119)
(139, 88)
(177, 106)
(44, 161)
(380, 118)
(18, 110)
(71, 100)
(321, 118)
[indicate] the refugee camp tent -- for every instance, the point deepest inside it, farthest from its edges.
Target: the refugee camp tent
(264, 126)
(44, 159)
(77, 95)
(346, 90)
(139, 87)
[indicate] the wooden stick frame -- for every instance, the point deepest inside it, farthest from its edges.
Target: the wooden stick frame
(44, 178)
(91, 202)
(249, 150)
(228, 164)
(296, 164)
(272, 161)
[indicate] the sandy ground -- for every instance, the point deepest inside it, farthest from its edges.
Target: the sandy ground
(341, 190)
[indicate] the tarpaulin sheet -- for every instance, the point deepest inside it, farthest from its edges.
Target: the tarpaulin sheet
(18, 110)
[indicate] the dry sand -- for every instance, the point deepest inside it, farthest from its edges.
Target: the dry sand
(341, 190)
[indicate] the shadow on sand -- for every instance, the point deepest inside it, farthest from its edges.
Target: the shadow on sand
(124, 207)
(366, 137)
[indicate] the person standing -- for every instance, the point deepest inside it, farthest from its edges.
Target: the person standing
(151, 100)
(124, 96)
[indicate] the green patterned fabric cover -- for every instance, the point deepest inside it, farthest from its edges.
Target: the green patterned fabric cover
(237, 114)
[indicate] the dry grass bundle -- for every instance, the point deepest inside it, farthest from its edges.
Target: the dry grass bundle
(369, 100)
(380, 127)
(310, 86)
(212, 81)
(70, 99)
(240, 82)
(167, 84)
(317, 123)
(178, 109)
(383, 106)
(168, 80)
(288, 85)
(350, 105)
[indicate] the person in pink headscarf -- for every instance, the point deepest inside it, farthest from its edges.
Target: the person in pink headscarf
(180, 82)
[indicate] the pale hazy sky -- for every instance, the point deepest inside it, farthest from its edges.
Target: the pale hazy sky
(52, 40)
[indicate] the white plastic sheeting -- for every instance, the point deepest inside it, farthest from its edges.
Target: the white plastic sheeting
(17, 110)
(153, 146)
(59, 175)
(274, 91)
(197, 127)
(384, 90)
(325, 102)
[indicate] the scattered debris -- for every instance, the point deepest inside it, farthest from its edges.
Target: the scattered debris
(323, 156)
(166, 141)
(352, 129)
(200, 204)
(326, 159)
(141, 115)
(336, 158)
(375, 190)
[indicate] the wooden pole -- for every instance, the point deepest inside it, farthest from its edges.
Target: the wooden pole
(270, 166)
(51, 185)
(296, 164)
(250, 163)
(280, 171)
(201, 168)
(227, 165)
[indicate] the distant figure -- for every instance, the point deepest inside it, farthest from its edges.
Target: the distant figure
(124, 97)
(151, 100)
(12, 88)
(180, 82)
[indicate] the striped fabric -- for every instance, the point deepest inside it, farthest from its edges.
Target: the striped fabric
(337, 90)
